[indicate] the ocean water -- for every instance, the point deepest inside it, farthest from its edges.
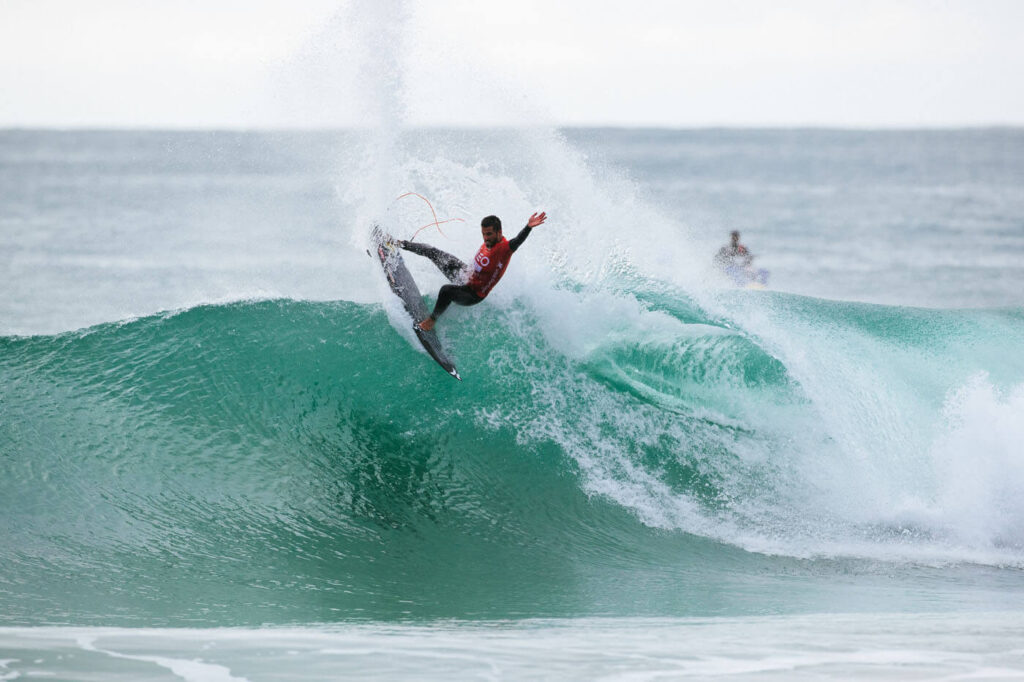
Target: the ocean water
(223, 455)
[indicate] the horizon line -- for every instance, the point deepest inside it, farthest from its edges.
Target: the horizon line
(450, 127)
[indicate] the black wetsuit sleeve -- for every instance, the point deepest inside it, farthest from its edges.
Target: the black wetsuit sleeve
(518, 240)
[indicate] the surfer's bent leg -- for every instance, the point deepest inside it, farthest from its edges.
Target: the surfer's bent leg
(450, 266)
(450, 293)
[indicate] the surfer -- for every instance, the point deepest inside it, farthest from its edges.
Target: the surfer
(470, 285)
(736, 261)
(733, 253)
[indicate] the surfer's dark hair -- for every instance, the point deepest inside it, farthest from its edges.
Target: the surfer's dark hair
(491, 221)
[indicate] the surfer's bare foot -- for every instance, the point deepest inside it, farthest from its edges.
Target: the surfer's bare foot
(427, 324)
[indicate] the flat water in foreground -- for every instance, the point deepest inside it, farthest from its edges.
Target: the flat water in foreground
(875, 646)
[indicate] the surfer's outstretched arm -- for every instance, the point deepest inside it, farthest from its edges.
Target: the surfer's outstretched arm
(450, 266)
(535, 220)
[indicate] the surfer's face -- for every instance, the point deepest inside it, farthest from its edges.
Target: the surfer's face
(491, 236)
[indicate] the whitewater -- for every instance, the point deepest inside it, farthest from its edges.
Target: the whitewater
(224, 456)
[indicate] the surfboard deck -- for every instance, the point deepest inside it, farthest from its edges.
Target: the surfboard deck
(404, 286)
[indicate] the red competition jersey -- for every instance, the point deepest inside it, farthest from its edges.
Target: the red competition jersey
(488, 267)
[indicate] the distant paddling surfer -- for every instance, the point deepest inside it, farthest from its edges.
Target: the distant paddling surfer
(470, 285)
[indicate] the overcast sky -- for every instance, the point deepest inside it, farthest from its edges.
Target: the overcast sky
(313, 63)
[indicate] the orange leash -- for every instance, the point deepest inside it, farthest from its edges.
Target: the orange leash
(437, 223)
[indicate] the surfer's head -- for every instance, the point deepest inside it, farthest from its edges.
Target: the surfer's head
(490, 228)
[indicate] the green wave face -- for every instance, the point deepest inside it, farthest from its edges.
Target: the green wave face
(286, 461)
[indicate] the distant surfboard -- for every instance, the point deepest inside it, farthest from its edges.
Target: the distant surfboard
(405, 288)
(746, 277)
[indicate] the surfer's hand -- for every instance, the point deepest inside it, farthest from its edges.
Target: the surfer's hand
(537, 219)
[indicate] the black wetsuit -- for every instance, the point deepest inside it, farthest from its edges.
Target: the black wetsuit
(456, 271)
